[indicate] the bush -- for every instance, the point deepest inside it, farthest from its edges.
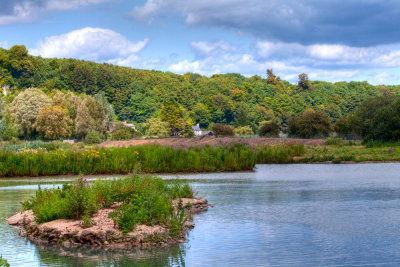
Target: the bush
(310, 124)
(122, 132)
(92, 138)
(3, 262)
(222, 129)
(245, 130)
(268, 129)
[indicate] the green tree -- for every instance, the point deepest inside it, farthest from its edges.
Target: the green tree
(92, 138)
(268, 129)
(53, 122)
(172, 114)
(156, 127)
(378, 118)
(271, 78)
(222, 130)
(244, 130)
(303, 82)
(25, 108)
(310, 124)
(82, 122)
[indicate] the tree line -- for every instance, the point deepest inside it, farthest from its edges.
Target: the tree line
(164, 103)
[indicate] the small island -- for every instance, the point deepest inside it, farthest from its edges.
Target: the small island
(139, 211)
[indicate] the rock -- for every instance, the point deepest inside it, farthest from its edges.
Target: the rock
(67, 244)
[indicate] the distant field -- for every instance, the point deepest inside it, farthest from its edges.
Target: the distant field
(213, 141)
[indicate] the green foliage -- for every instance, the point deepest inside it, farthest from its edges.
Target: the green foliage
(34, 145)
(25, 109)
(268, 129)
(222, 130)
(243, 131)
(156, 127)
(146, 200)
(122, 132)
(138, 95)
(178, 189)
(143, 208)
(177, 222)
(148, 158)
(3, 262)
(53, 122)
(279, 153)
(310, 124)
(303, 83)
(92, 138)
(378, 118)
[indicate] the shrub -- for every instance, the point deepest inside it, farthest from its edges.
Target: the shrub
(310, 124)
(3, 262)
(222, 129)
(92, 138)
(268, 129)
(122, 132)
(245, 130)
(178, 189)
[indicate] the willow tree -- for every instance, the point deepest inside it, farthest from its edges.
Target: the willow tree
(53, 122)
(25, 108)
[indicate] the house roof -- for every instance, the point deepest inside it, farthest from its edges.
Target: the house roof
(196, 128)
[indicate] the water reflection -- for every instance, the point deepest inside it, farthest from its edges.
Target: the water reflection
(58, 256)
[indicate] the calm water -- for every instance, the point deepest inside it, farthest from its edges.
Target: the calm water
(289, 215)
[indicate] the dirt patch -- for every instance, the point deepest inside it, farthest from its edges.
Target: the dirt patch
(213, 141)
(103, 232)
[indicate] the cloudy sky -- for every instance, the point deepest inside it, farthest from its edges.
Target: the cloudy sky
(331, 40)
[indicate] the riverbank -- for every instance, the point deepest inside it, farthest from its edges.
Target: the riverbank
(189, 155)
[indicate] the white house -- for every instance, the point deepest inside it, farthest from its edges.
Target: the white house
(196, 129)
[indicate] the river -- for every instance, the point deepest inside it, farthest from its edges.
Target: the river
(278, 215)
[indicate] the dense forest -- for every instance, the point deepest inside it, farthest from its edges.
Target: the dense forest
(144, 96)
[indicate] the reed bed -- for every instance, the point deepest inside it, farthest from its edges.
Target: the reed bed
(124, 160)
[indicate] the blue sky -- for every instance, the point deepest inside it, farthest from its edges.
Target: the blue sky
(332, 40)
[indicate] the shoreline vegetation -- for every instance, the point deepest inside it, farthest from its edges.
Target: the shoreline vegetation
(132, 212)
(50, 159)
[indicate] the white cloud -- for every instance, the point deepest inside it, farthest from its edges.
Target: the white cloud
(4, 44)
(96, 44)
(24, 11)
(331, 54)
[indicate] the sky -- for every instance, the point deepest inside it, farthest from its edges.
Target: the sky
(330, 40)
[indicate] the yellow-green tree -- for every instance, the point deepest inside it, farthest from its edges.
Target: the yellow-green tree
(156, 127)
(53, 122)
(25, 108)
(172, 114)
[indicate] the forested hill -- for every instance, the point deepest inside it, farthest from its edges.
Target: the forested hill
(229, 98)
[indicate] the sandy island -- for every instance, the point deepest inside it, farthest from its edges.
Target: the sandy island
(103, 233)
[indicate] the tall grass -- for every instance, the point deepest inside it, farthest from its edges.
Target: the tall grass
(282, 153)
(121, 160)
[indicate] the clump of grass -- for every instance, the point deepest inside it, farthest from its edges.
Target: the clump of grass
(146, 200)
(279, 153)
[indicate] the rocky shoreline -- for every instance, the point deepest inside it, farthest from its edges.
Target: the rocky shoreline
(103, 233)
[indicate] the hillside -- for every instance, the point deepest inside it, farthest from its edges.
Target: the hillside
(137, 95)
